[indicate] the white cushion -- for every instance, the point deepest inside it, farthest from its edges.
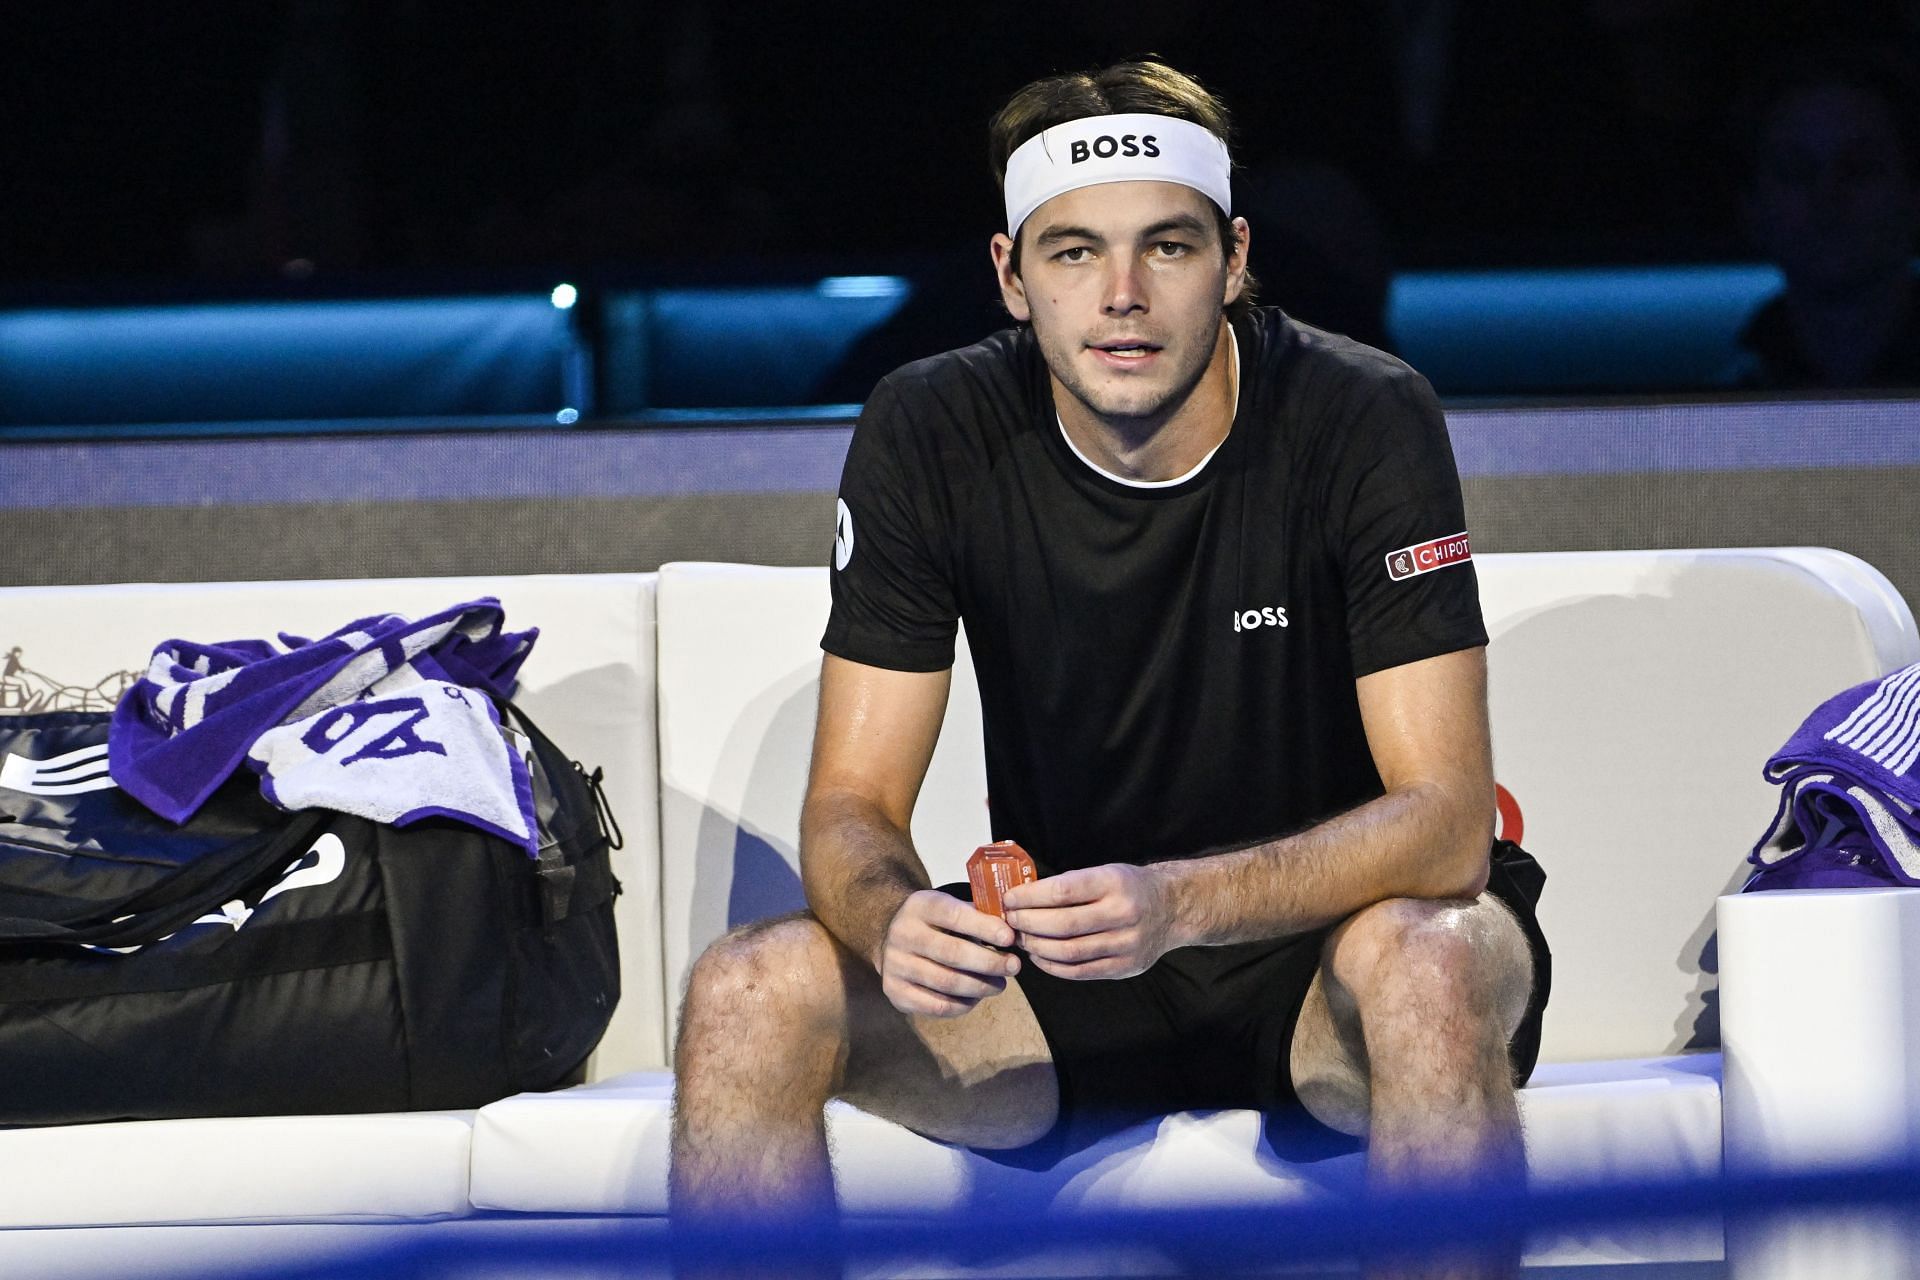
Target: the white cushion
(594, 1148)
(469, 1247)
(602, 1148)
(589, 684)
(1623, 1119)
(253, 1169)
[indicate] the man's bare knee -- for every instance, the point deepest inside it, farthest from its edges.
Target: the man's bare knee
(1438, 989)
(781, 1008)
(1425, 990)
(775, 978)
(1449, 961)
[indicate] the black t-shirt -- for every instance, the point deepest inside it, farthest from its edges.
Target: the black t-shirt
(1164, 671)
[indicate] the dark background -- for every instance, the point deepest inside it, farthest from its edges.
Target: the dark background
(219, 141)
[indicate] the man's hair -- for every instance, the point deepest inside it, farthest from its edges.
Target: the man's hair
(1145, 87)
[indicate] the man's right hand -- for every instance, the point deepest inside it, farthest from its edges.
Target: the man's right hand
(938, 958)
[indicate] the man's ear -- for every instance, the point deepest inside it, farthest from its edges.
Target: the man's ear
(1013, 291)
(1237, 260)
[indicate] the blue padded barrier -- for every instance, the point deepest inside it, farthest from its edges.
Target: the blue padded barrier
(1188, 1240)
(742, 347)
(422, 361)
(1557, 332)
(244, 362)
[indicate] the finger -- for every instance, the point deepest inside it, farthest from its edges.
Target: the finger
(1065, 922)
(1098, 946)
(1094, 970)
(948, 982)
(955, 952)
(955, 916)
(1064, 890)
(945, 981)
(909, 998)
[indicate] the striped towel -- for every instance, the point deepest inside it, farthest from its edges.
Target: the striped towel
(1848, 777)
(387, 718)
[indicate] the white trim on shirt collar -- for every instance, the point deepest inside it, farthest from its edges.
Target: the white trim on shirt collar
(1197, 467)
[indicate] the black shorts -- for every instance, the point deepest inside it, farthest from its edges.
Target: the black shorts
(1212, 1027)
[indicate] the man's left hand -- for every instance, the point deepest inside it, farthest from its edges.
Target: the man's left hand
(1098, 922)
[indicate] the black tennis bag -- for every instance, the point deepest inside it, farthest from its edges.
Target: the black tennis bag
(258, 962)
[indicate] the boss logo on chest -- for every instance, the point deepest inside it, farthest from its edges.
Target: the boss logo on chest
(1250, 619)
(1106, 146)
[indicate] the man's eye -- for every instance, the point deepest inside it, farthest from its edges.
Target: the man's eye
(1170, 248)
(1078, 253)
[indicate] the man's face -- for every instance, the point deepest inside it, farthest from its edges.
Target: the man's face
(1124, 284)
(1832, 201)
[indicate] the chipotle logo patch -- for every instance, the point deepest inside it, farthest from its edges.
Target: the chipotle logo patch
(1410, 562)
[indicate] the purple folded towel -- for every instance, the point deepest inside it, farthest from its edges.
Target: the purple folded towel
(380, 718)
(1871, 733)
(1848, 779)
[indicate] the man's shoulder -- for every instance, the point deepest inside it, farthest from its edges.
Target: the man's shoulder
(1328, 403)
(1317, 362)
(950, 416)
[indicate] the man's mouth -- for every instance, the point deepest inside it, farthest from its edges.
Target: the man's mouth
(1121, 352)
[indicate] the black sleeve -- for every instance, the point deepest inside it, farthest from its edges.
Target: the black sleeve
(1401, 531)
(893, 604)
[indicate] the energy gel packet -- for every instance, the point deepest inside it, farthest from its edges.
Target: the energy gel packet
(995, 868)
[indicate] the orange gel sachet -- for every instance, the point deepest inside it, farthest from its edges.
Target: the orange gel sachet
(995, 868)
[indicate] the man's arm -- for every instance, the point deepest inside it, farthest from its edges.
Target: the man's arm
(863, 879)
(1426, 837)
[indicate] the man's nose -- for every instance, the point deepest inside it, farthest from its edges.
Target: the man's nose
(1126, 287)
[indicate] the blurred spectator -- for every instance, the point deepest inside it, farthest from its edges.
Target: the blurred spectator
(1833, 199)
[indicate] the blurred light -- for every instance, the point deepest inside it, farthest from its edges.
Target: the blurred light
(567, 417)
(565, 295)
(863, 287)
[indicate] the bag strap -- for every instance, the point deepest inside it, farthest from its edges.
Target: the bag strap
(573, 864)
(159, 910)
(575, 873)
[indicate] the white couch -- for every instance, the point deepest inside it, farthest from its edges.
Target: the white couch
(1634, 697)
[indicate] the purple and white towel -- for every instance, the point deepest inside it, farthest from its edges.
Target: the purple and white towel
(1848, 776)
(386, 718)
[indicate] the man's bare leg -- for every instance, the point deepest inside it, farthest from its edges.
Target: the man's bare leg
(779, 1017)
(1403, 1039)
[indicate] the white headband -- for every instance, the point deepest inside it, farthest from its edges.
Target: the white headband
(1122, 148)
